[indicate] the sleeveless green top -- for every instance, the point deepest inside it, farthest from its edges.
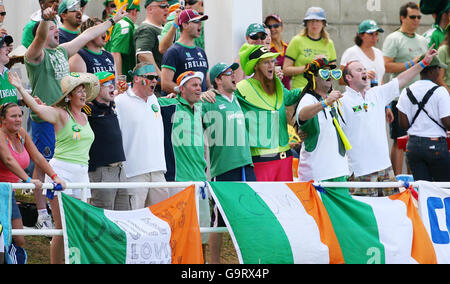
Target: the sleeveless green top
(73, 142)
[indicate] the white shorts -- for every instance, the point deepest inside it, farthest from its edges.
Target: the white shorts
(70, 173)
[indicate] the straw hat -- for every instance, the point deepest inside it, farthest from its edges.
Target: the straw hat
(74, 79)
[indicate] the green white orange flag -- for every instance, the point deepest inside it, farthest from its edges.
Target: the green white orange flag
(294, 223)
(167, 232)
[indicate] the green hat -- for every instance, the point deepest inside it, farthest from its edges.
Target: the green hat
(434, 62)
(439, 7)
(250, 54)
(67, 5)
(369, 26)
(219, 68)
(104, 76)
(254, 29)
(106, 2)
(148, 2)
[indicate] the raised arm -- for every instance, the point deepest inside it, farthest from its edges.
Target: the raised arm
(45, 112)
(406, 76)
(35, 52)
(76, 44)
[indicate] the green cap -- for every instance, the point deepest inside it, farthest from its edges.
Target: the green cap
(68, 5)
(219, 68)
(250, 54)
(369, 26)
(131, 4)
(106, 2)
(254, 29)
(148, 2)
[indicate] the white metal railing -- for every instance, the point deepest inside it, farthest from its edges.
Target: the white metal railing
(198, 186)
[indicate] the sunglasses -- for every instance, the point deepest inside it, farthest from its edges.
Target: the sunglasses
(150, 77)
(325, 74)
(413, 17)
(112, 6)
(274, 26)
(3, 14)
(258, 36)
(109, 83)
(162, 6)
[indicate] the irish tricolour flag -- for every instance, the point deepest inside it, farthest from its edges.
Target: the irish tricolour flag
(294, 223)
(167, 232)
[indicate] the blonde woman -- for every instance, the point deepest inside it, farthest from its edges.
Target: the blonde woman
(313, 42)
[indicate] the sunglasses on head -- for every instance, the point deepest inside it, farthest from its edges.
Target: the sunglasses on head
(150, 77)
(413, 17)
(274, 26)
(258, 36)
(325, 74)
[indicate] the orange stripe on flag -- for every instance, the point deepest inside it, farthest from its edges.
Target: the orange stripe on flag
(422, 248)
(307, 194)
(180, 213)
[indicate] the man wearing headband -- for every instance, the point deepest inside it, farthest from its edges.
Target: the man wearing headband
(323, 152)
(365, 123)
(106, 154)
(183, 137)
(142, 128)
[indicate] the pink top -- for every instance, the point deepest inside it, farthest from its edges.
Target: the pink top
(22, 158)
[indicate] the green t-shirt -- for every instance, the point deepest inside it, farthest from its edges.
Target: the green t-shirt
(435, 35)
(122, 41)
(183, 140)
(147, 38)
(45, 77)
(303, 50)
(404, 48)
(444, 56)
(8, 93)
(227, 137)
(27, 33)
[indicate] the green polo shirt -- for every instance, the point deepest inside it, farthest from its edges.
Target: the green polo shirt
(227, 137)
(183, 140)
(8, 93)
(435, 35)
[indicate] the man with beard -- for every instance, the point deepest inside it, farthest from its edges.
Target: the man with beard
(92, 58)
(184, 55)
(142, 128)
(106, 154)
(263, 99)
(70, 13)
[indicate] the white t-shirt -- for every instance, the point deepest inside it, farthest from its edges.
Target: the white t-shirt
(438, 107)
(355, 53)
(324, 162)
(365, 127)
(142, 133)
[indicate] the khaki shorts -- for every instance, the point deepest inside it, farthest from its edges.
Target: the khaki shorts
(380, 176)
